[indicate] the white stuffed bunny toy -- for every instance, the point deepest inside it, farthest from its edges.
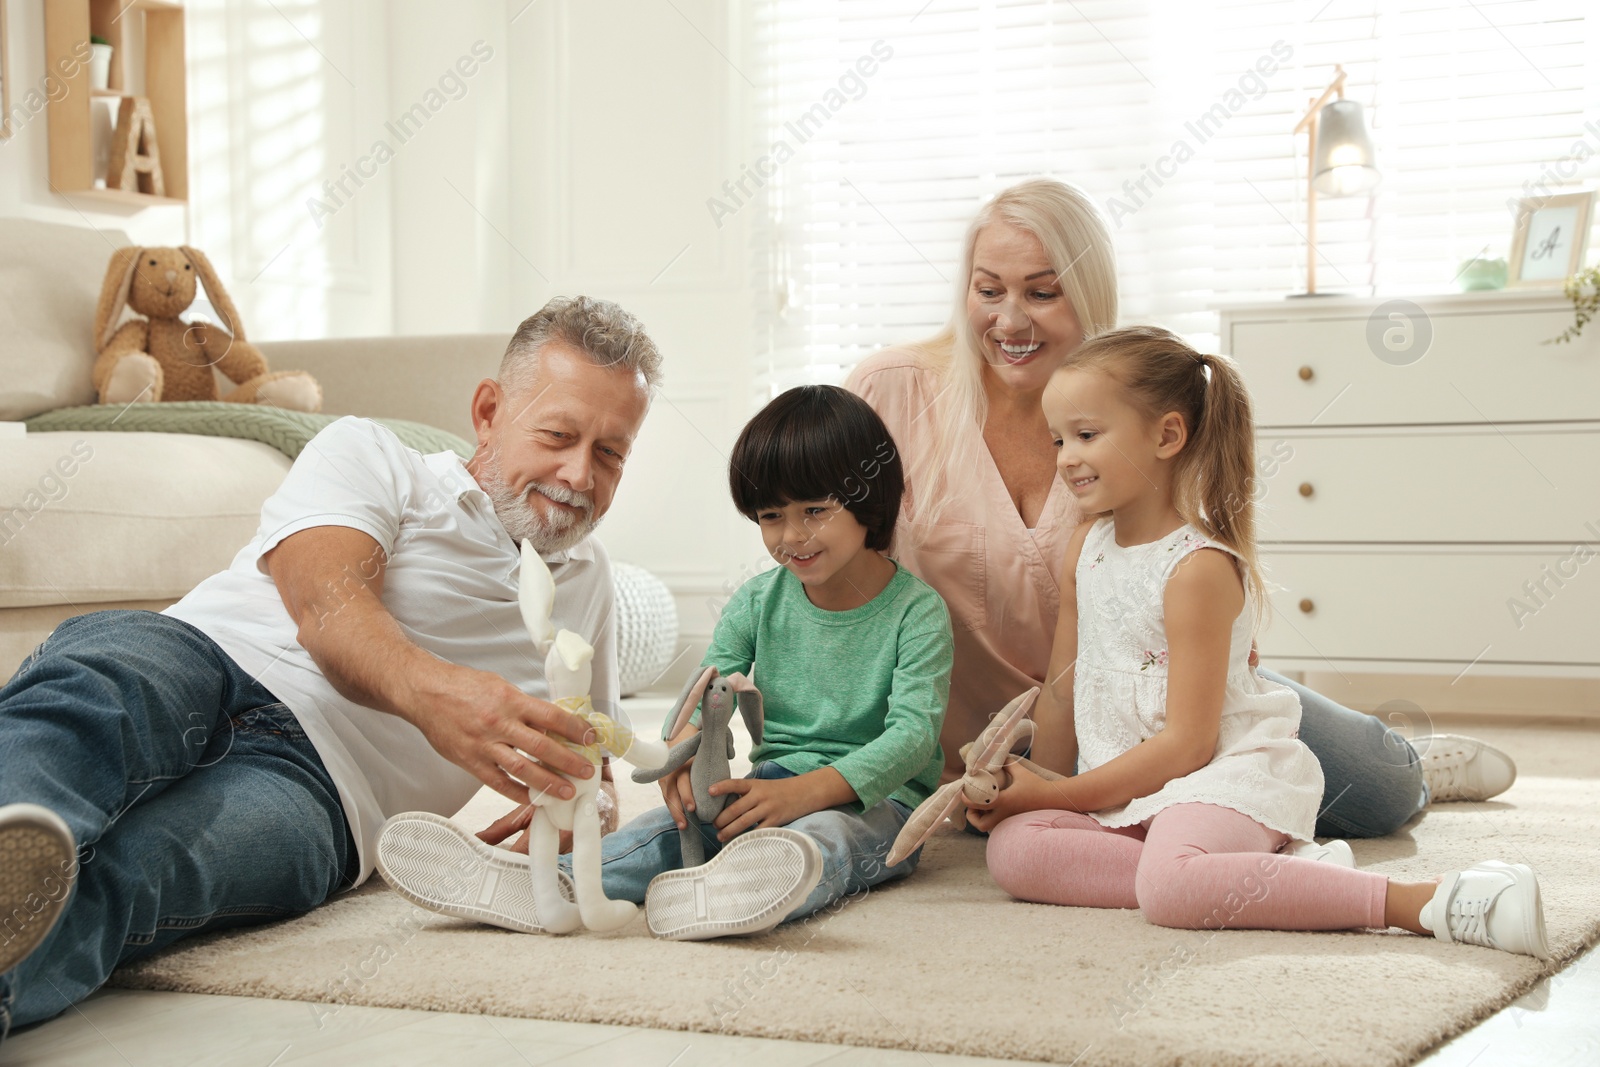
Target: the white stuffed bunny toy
(567, 671)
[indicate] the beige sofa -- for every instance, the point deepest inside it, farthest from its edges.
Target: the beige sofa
(90, 521)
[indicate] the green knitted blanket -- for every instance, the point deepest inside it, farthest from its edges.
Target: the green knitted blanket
(287, 431)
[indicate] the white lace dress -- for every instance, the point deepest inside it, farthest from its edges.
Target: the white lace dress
(1261, 768)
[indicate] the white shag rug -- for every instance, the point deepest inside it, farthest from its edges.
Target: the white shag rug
(946, 962)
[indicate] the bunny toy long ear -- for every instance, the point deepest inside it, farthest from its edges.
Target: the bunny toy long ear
(215, 292)
(997, 737)
(114, 293)
(536, 597)
(928, 817)
(751, 706)
(688, 700)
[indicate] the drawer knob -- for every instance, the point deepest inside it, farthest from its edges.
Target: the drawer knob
(1307, 606)
(1305, 489)
(1306, 374)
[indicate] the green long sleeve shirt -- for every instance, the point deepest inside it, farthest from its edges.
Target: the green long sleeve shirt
(862, 691)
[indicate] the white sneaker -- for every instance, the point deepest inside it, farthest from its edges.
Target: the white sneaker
(38, 864)
(1336, 852)
(1492, 904)
(1463, 768)
(750, 886)
(435, 864)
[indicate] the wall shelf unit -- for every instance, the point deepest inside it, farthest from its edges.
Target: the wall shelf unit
(162, 80)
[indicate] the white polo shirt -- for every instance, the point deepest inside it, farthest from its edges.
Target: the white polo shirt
(451, 584)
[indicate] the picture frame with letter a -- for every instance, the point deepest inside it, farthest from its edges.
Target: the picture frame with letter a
(1550, 239)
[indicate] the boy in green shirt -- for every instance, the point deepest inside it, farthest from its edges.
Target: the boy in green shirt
(852, 655)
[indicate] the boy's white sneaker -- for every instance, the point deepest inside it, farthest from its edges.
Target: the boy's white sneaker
(436, 864)
(1493, 904)
(38, 864)
(1334, 851)
(1463, 768)
(749, 887)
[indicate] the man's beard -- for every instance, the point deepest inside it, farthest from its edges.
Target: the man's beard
(522, 521)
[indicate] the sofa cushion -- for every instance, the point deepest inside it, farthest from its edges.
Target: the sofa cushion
(50, 277)
(90, 518)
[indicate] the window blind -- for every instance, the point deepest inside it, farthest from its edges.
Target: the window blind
(879, 128)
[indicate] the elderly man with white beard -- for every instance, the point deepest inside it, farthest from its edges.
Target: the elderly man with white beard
(231, 759)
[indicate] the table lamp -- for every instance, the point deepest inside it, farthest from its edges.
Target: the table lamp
(1340, 159)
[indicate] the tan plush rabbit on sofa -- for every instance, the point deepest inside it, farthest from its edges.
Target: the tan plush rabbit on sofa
(161, 357)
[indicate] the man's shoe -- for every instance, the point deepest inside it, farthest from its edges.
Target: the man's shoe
(1336, 852)
(1492, 904)
(749, 887)
(38, 864)
(435, 864)
(1463, 768)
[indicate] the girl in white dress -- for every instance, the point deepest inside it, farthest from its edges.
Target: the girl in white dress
(1192, 782)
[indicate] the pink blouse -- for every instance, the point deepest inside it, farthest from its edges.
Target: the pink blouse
(999, 579)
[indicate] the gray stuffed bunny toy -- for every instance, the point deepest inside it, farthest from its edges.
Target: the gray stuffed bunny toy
(711, 748)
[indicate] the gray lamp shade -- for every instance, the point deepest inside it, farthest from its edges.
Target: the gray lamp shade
(1344, 165)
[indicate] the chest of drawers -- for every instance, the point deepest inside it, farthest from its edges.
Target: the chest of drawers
(1429, 482)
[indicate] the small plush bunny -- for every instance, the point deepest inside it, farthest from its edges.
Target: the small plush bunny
(711, 748)
(568, 673)
(161, 357)
(987, 759)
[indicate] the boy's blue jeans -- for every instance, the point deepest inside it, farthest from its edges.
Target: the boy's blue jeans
(196, 800)
(853, 849)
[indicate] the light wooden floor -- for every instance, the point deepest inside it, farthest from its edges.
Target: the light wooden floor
(1554, 1024)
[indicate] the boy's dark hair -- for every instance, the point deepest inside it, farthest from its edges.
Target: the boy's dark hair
(815, 442)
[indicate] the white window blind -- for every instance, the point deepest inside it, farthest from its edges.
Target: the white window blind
(861, 183)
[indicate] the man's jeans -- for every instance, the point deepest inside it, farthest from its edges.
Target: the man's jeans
(853, 849)
(197, 801)
(1372, 778)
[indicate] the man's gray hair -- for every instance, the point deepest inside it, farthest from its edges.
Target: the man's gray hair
(601, 330)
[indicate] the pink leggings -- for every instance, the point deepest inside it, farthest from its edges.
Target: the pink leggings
(1198, 866)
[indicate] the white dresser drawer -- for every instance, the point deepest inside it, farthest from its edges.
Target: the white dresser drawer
(1480, 367)
(1440, 604)
(1517, 483)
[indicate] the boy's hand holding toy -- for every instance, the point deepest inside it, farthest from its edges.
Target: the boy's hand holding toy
(777, 801)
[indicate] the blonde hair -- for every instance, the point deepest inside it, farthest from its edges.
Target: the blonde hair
(1214, 474)
(1078, 245)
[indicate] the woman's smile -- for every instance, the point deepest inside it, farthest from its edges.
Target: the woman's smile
(1016, 353)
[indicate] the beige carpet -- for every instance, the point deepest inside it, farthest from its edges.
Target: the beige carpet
(944, 962)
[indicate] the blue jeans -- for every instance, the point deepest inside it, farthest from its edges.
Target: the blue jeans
(853, 849)
(1373, 781)
(196, 800)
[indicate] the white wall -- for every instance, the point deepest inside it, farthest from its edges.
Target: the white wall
(453, 268)
(629, 119)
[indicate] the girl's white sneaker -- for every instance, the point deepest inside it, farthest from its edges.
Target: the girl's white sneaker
(1493, 904)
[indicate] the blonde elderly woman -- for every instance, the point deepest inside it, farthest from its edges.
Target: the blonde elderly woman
(985, 519)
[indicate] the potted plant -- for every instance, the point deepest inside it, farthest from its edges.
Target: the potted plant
(99, 62)
(1583, 289)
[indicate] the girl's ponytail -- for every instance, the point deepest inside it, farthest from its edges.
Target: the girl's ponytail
(1217, 471)
(1214, 476)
